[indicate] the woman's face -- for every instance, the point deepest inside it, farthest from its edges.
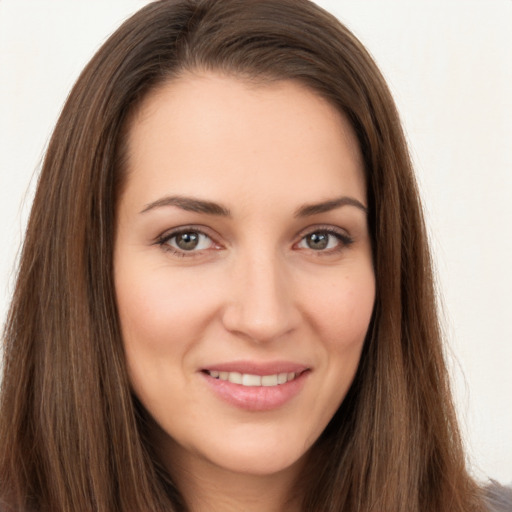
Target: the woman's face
(243, 269)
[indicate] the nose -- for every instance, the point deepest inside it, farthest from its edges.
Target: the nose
(261, 304)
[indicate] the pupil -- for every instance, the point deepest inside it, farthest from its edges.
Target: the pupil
(318, 241)
(187, 241)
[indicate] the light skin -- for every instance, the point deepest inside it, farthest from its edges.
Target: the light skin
(242, 239)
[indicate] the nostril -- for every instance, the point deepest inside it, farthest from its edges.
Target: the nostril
(260, 323)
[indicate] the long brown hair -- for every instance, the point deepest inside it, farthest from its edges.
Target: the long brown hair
(72, 437)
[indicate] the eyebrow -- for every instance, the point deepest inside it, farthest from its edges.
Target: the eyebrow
(189, 204)
(308, 210)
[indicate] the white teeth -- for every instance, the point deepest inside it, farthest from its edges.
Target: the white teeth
(282, 378)
(235, 377)
(269, 380)
(249, 380)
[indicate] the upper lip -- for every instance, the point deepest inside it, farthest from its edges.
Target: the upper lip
(257, 368)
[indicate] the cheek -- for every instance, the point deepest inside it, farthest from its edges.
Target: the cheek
(155, 309)
(343, 313)
(162, 317)
(339, 316)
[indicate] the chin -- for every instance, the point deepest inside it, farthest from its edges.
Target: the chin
(259, 455)
(260, 463)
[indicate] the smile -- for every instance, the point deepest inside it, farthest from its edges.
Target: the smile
(250, 380)
(255, 387)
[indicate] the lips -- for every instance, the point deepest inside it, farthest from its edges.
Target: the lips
(256, 387)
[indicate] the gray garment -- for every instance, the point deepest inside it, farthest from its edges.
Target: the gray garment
(498, 498)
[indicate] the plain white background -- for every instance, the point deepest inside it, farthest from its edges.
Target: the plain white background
(449, 66)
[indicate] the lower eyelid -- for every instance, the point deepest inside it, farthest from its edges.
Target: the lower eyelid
(164, 240)
(202, 237)
(343, 239)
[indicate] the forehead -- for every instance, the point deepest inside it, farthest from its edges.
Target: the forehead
(225, 136)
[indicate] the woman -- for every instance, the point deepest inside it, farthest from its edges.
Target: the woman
(225, 299)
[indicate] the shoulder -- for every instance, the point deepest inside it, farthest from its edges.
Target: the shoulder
(498, 498)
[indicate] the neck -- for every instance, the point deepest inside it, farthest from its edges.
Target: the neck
(208, 487)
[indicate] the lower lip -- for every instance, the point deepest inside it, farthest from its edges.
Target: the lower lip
(256, 398)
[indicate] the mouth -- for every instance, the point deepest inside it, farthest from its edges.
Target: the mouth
(252, 380)
(256, 387)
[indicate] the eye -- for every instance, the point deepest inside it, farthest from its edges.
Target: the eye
(324, 240)
(190, 240)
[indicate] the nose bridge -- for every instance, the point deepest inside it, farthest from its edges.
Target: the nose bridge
(261, 306)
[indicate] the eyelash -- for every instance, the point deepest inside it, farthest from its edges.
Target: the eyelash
(164, 240)
(343, 239)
